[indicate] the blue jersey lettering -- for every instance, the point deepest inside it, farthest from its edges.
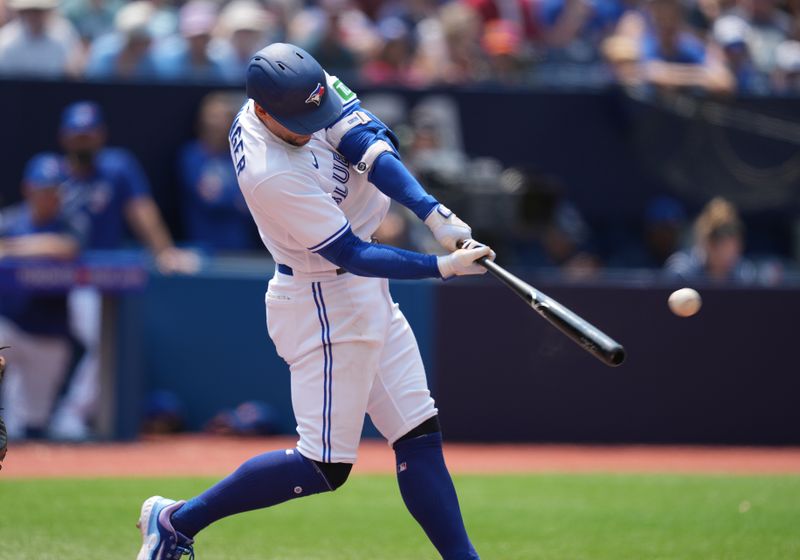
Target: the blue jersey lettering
(340, 168)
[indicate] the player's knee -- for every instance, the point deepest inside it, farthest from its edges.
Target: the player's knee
(335, 473)
(429, 426)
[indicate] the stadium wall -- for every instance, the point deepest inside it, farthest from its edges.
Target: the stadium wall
(498, 371)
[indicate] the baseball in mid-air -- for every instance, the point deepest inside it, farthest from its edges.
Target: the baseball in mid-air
(685, 302)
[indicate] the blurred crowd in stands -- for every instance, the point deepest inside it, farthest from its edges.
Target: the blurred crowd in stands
(721, 46)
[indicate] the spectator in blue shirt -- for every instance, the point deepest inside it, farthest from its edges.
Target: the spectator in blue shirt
(245, 27)
(36, 325)
(666, 39)
(215, 213)
(653, 47)
(189, 57)
(126, 53)
(572, 29)
(91, 18)
(675, 58)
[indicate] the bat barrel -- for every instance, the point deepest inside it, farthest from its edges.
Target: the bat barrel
(589, 337)
(592, 339)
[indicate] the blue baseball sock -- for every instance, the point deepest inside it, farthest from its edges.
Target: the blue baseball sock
(430, 496)
(263, 481)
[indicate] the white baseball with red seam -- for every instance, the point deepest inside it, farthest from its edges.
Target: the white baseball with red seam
(685, 302)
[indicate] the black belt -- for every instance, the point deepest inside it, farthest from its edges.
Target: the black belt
(287, 270)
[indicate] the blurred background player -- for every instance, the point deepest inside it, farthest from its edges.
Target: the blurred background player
(36, 326)
(216, 217)
(108, 186)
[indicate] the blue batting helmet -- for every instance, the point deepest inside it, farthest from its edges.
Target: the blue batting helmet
(290, 85)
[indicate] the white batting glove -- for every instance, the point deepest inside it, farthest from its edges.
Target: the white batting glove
(447, 228)
(461, 262)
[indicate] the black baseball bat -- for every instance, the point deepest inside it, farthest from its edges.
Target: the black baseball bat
(586, 335)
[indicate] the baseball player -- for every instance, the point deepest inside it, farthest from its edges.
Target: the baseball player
(109, 187)
(318, 172)
(35, 325)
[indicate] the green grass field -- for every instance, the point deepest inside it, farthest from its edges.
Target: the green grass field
(612, 517)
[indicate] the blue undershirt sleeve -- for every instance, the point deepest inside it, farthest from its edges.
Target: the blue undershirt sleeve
(395, 181)
(380, 261)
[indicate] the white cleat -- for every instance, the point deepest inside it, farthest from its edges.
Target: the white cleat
(160, 540)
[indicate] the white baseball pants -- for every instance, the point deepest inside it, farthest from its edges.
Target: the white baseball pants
(350, 351)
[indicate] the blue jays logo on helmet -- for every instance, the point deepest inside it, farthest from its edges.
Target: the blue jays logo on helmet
(316, 95)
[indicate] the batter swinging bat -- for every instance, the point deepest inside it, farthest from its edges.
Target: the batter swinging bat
(592, 339)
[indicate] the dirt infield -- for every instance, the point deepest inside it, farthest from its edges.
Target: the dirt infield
(214, 456)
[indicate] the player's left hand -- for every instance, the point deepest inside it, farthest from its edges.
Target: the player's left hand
(447, 228)
(463, 261)
(174, 260)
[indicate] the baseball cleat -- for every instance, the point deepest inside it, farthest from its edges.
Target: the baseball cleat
(160, 540)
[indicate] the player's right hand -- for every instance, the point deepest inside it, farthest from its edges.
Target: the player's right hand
(461, 262)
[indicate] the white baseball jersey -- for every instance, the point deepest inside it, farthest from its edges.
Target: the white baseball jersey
(348, 346)
(302, 198)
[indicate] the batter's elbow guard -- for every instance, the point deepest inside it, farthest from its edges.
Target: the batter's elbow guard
(361, 138)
